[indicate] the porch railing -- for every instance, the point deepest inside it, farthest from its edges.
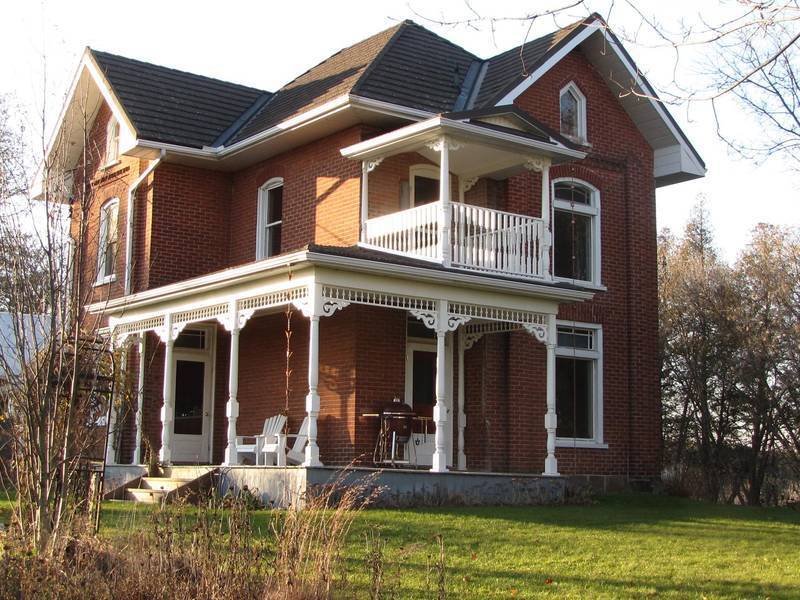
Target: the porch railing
(481, 239)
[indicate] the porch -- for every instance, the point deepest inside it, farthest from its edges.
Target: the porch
(369, 309)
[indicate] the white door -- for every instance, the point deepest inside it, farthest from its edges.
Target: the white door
(421, 396)
(193, 397)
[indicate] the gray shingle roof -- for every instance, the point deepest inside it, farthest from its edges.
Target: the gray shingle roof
(171, 106)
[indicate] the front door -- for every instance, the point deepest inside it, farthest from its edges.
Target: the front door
(421, 396)
(193, 383)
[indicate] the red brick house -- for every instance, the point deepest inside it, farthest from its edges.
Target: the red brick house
(476, 237)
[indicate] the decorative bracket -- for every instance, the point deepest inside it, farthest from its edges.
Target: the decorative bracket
(429, 318)
(472, 338)
(538, 331)
(469, 183)
(439, 144)
(371, 165)
(331, 305)
(537, 164)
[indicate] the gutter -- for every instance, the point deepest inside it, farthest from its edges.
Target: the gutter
(129, 220)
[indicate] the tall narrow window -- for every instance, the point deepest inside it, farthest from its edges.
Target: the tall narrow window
(107, 241)
(572, 105)
(579, 382)
(112, 141)
(576, 231)
(270, 219)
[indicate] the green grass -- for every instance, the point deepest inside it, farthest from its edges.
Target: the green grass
(627, 546)
(6, 501)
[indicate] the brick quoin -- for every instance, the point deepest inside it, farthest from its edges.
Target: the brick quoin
(192, 221)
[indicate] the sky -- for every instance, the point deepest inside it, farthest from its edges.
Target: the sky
(267, 44)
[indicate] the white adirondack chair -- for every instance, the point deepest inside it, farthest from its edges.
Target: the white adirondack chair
(294, 455)
(254, 444)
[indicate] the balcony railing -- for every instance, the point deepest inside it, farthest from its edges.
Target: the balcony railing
(481, 239)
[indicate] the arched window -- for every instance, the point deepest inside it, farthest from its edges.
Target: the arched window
(270, 218)
(112, 141)
(107, 241)
(572, 105)
(576, 231)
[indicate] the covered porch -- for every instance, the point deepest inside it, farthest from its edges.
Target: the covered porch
(451, 312)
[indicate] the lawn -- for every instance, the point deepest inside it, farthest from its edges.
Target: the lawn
(628, 546)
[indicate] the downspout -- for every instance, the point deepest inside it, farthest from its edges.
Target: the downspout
(129, 220)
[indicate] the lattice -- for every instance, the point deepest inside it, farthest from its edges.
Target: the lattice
(378, 299)
(139, 326)
(201, 314)
(273, 298)
(492, 313)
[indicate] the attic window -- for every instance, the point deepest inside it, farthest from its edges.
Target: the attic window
(572, 105)
(112, 141)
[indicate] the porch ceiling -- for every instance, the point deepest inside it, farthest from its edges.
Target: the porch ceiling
(482, 149)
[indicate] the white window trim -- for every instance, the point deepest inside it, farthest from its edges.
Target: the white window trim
(423, 170)
(572, 87)
(597, 409)
(593, 210)
(101, 243)
(112, 149)
(263, 212)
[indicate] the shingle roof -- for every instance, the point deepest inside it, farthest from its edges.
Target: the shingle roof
(171, 106)
(507, 69)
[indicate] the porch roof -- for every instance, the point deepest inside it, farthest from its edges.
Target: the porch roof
(490, 144)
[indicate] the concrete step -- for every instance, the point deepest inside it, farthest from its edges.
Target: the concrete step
(146, 496)
(163, 483)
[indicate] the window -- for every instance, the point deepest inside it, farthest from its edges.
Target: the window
(107, 246)
(576, 231)
(112, 141)
(270, 218)
(572, 105)
(424, 184)
(579, 390)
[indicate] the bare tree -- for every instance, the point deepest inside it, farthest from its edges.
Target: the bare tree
(58, 369)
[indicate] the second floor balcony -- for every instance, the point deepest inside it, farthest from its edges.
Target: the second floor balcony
(436, 191)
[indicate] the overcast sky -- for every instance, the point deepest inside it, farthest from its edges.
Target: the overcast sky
(266, 44)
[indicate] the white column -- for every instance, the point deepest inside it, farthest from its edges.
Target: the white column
(140, 346)
(312, 400)
(462, 417)
(168, 408)
(546, 218)
(444, 199)
(113, 425)
(440, 409)
(232, 407)
(550, 420)
(364, 199)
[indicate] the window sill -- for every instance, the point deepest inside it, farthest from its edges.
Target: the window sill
(580, 283)
(576, 443)
(105, 281)
(110, 165)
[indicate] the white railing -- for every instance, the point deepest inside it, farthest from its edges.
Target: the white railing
(491, 240)
(481, 239)
(413, 232)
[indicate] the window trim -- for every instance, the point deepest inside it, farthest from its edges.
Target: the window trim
(102, 240)
(262, 213)
(112, 142)
(593, 211)
(420, 170)
(595, 355)
(573, 88)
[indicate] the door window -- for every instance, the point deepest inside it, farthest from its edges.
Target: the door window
(189, 393)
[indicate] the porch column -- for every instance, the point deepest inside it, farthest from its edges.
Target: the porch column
(364, 199)
(440, 409)
(444, 200)
(232, 407)
(462, 417)
(550, 419)
(312, 400)
(168, 408)
(546, 218)
(140, 347)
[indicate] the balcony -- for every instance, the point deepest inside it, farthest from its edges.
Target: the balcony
(478, 239)
(436, 163)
